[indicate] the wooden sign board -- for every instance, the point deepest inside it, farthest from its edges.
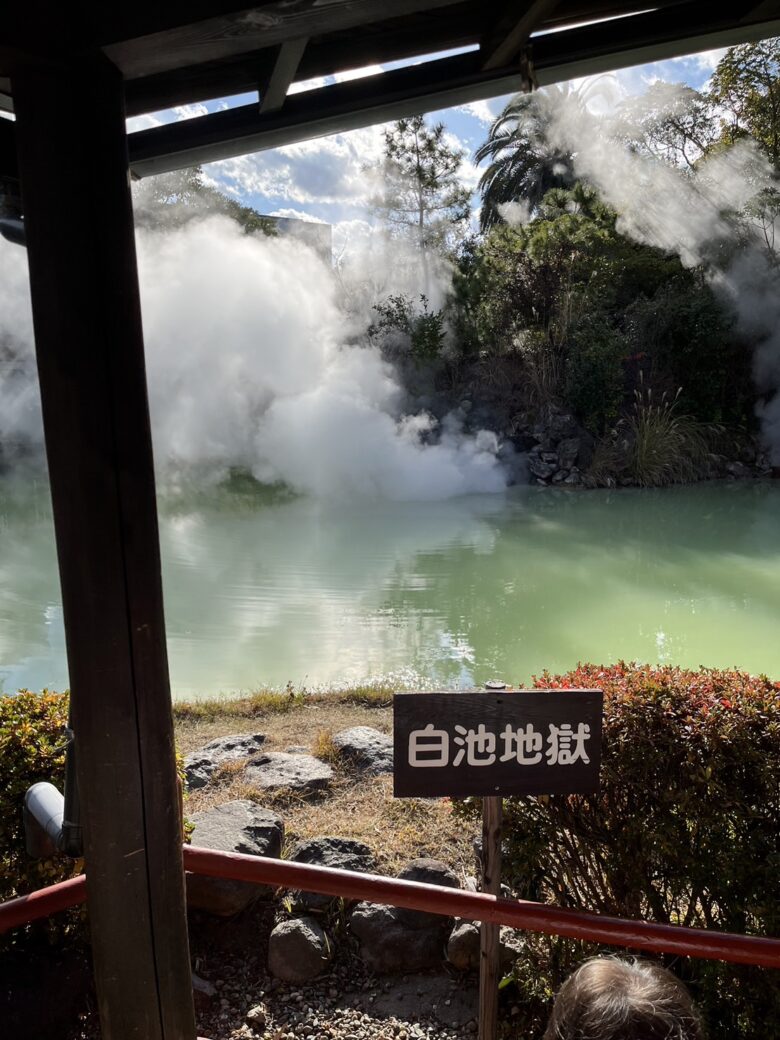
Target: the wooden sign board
(529, 742)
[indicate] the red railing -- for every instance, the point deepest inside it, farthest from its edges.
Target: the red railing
(520, 914)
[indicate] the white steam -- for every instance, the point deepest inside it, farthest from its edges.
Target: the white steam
(249, 364)
(693, 215)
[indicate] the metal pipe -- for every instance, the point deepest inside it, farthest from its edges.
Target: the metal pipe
(43, 811)
(521, 914)
(20, 911)
(474, 906)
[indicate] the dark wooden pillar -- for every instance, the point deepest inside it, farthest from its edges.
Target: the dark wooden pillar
(78, 215)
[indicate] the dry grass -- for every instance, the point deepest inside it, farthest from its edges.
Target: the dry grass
(363, 808)
(297, 727)
(262, 703)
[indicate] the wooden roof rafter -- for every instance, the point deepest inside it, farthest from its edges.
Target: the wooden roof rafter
(440, 83)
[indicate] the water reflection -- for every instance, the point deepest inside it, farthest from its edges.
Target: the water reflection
(456, 591)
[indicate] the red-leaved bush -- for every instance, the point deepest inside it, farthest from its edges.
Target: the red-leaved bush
(685, 829)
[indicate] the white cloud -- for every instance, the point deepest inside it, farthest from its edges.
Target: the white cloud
(190, 111)
(297, 214)
(325, 170)
(145, 122)
(707, 60)
(481, 110)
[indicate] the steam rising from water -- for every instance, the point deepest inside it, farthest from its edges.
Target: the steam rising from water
(249, 365)
(692, 215)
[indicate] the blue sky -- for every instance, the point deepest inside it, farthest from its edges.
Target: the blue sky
(324, 179)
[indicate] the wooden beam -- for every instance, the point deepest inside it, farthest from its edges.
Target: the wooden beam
(392, 40)
(515, 30)
(249, 30)
(273, 89)
(89, 346)
(435, 85)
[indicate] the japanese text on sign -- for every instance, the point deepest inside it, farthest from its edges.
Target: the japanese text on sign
(430, 747)
(532, 742)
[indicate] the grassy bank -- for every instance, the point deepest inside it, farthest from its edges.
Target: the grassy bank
(262, 703)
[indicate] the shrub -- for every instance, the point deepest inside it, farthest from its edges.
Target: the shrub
(32, 748)
(594, 374)
(401, 328)
(667, 447)
(684, 830)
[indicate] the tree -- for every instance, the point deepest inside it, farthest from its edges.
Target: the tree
(172, 199)
(525, 162)
(670, 121)
(746, 88)
(422, 198)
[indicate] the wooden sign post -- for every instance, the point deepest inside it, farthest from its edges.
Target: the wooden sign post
(489, 933)
(466, 744)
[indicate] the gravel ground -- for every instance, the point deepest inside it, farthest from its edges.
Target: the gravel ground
(347, 1003)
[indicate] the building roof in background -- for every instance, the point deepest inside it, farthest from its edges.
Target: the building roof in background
(186, 51)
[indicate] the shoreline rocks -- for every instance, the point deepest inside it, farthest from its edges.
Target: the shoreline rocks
(237, 826)
(366, 749)
(200, 766)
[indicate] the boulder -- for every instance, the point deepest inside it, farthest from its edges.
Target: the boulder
(463, 946)
(366, 748)
(427, 872)
(298, 950)
(388, 946)
(279, 770)
(738, 470)
(237, 826)
(341, 853)
(560, 425)
(540, 469)
(201, 764)
(393, 939)
(568, 451)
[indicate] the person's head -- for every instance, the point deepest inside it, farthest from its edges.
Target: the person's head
(612, 999)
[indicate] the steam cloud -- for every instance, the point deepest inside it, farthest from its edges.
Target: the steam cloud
(690, 215)
(253, 362)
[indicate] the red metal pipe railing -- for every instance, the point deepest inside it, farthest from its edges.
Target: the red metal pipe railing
(520, 914)
(46, 901)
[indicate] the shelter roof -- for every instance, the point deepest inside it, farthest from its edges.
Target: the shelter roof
(186, 51)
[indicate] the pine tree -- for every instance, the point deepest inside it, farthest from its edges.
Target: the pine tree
(422, 198)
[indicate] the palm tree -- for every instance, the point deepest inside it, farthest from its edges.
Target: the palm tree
(525, 159)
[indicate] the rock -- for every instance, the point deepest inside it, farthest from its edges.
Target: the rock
(201, 764)
(342, 853)
(550, 456)
(561, 426)
(560, 476)
(574, 478)
(738, 470)
(257, 1016)
(297, 749)
(298, 950)
(389, 946)
(568, 451)
(463, 947)
(237, 826)
(396, 940)
(540, 469)
(279, 770)
(366, 748)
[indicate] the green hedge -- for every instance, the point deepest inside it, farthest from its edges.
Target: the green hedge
(685, 829)
(32, 748)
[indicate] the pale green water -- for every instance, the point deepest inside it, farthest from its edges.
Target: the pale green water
(458, 591)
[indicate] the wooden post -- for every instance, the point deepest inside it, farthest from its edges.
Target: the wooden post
(89, 344)
(490, 934)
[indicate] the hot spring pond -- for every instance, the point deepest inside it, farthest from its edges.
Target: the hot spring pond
(457, 592)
